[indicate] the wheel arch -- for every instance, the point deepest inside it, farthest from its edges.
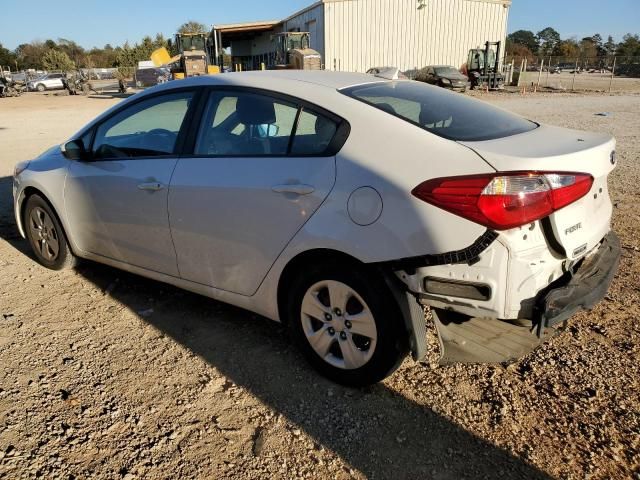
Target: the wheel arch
(322, 256)
(27, 193)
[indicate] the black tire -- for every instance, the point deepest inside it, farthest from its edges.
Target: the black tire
(40, 87)
(392, 342)
(52, 258)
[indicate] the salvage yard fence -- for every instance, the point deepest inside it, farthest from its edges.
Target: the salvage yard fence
(605, 74)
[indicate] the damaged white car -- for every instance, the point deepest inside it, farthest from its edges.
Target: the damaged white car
(339, 204)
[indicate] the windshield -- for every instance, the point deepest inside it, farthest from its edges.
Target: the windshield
(298, 42)
(192, 43)
(447, 71)
(443, 113)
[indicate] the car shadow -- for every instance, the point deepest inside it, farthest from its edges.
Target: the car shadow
(402, 439)
(110, 96)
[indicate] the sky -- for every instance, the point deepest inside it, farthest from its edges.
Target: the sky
(96, 23)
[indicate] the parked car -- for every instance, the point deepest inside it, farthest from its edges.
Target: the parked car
(389, 73)
(339, 210)
(50, 81)
(148, 77)
(566, 67)
(443, 76)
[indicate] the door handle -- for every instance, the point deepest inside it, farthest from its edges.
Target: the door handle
(298, 189)
(151, 186)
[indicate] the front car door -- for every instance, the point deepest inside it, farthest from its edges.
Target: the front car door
(116, 201)
(262, 165)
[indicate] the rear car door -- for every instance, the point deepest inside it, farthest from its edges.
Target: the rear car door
(262, 165)
(116, 201)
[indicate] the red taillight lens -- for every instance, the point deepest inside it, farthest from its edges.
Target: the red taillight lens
(505, 200)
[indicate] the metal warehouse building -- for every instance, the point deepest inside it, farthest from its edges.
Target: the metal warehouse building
(355, 35)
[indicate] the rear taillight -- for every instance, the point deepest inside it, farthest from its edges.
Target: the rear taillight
(505, 200)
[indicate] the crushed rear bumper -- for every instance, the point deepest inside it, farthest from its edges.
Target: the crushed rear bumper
(584, 288)
(468, 339)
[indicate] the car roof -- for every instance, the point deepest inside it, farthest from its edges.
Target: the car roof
(275, 78)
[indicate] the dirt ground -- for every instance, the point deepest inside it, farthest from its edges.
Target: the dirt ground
(107, 375)
(583, 81)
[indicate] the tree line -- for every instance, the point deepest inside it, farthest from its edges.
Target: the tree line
(66, 55)
(547, 42)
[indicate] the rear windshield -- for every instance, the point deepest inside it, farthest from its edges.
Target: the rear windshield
(443, 113)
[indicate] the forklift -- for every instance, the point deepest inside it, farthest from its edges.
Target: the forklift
(192, 59)
(293, 52)
(483, 67)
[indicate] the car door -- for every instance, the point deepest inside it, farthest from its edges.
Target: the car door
(431, 76)
(261, 167)
(116, 201)
(54, 80)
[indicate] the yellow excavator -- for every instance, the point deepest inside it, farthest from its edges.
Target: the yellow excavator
(192, 59)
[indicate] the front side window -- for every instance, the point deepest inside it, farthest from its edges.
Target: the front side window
(147, 128)
(443, 113)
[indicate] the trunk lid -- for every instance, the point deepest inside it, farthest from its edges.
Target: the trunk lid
(578, 227)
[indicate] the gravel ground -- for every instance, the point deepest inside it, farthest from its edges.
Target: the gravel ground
(108, 375)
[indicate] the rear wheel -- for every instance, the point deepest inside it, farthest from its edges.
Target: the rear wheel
(347, 325)
(46, 236)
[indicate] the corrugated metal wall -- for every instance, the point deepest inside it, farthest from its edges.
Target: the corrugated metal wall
(303, 22)
(360, 34)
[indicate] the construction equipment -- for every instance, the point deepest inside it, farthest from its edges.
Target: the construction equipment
(293, 52)
(192, 59)
(483, 67)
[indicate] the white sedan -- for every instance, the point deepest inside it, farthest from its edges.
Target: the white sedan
(339, 204)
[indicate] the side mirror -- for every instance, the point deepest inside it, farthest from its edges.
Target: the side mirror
(74, 150)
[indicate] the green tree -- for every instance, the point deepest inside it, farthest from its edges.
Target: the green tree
(548, 39)
(193, 27)
(57, 60)
(75, 52)
(30, 54)
(526, 38)
(7, 58)
(598, 42)
(569, 49)
(588, 48)
(517, 51)
(630, 46)
(610, 46)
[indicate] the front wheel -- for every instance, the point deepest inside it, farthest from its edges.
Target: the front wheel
(348, 325)
(40, 87)
(46, 236)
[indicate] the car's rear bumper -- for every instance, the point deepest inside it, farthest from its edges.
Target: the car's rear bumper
(582, 289)
(475, 330)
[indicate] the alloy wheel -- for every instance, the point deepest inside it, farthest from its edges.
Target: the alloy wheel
(44, 234)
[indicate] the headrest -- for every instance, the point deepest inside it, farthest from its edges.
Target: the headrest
(387, 107)
(255, 110)
(433, 113)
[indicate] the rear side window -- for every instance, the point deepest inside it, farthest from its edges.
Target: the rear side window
(246, 124)
(240, 123)
(313, 134)
(443, 113)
